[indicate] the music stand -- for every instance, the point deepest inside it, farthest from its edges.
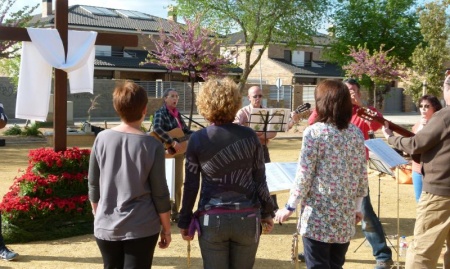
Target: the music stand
(383, 169)
(269, 119)
(391, 159)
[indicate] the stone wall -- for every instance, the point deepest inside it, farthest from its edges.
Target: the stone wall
(81, 101)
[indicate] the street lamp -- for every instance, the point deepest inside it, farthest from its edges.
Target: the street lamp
(424, 87)
(260, 70)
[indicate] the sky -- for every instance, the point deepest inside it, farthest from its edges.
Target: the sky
(153, 7)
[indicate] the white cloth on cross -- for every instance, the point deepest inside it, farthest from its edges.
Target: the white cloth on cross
(39, 56)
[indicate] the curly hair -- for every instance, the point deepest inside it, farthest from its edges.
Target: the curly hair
(333, 103)
(219, 100)
(129, 100)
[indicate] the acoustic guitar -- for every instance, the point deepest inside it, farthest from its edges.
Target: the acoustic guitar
(177, 135)
(302, 108)
(371, 115)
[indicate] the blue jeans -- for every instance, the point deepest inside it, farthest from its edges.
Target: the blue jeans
(417, 182)
(373, 231)
(229, 240)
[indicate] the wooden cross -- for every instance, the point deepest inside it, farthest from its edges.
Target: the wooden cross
(60, 86)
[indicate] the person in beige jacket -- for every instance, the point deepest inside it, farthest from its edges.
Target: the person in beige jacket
(432, 226)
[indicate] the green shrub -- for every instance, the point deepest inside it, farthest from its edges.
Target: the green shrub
(32, 130)
(14, 130)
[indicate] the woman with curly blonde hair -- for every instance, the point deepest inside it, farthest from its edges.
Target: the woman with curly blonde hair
(234, 197)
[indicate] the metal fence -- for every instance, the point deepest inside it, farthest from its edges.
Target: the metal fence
(284, 93)
(156, 89)
(308, 94)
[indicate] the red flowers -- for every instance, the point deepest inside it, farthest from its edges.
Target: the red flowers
(53, 183)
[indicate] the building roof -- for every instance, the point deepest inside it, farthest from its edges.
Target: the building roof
(318, 39)
(317, 69)
(116, 20)
(112, 19)
(136, 60)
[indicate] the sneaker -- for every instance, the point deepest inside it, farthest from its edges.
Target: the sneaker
(8, 255)
(384, 264)
(301, 257)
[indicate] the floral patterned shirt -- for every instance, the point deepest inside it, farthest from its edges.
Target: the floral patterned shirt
(331, 175)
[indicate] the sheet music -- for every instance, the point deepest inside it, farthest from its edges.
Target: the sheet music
(280, 176)
(170, 177)
(383, 151)
(275, 118)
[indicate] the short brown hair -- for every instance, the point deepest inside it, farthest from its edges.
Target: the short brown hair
(129, 100)
(435, 103)
(333, 103)
(219, 100)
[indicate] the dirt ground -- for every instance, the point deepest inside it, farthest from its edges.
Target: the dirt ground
(274, 250)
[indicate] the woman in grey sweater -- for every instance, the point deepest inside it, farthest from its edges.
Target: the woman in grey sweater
(127, 186)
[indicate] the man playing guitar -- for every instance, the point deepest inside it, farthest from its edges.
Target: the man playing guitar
(371, 225)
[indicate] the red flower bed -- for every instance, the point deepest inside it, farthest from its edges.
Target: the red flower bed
(52, 191)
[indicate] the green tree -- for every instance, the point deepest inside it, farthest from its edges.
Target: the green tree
(15, 19)
(10, 67)
(392, 23)
(9, 58)
(429, 57)
(191, 49)
(260, 21)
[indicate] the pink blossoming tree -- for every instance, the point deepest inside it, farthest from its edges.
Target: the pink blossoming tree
(378, 67)
(191, 49)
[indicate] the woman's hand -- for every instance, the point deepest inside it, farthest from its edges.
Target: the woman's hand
(267, 225)
(166, 238)
(185, 235)
(282, 215)
(176, 146)
(423, 121)
(358, 216)
(386, 131)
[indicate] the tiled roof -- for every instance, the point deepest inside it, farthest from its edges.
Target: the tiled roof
(135, 62)
(80, 17)
(319, 69)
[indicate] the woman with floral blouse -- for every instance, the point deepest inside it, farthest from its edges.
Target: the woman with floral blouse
(331, 179)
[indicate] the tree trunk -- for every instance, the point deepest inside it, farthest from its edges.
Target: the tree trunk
(191, 113)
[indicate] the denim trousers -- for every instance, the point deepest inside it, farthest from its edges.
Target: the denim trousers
(373, 231)
(321, 255)
(229, 240)
(417, 182)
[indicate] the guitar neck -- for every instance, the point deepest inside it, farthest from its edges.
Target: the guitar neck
(394, 127)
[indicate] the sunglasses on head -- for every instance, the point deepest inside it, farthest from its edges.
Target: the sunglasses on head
(257, 96)
(424, 106)
(350, 80)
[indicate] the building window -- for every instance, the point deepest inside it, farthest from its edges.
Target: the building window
(288, 56)
(302, 58)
